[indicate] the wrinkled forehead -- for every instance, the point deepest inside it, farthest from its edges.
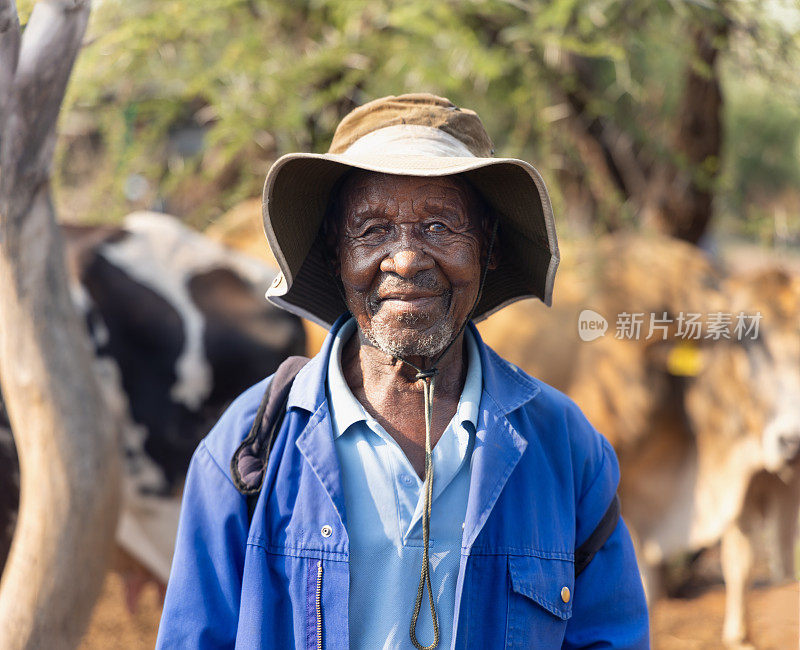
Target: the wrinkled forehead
(371, 191)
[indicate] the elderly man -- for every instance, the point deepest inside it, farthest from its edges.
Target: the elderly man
(408, 487)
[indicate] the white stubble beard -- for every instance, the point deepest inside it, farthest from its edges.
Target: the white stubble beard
(427, 345)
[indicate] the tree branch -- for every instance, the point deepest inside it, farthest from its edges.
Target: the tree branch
(621, 159)
(9, 51)
(48, 49)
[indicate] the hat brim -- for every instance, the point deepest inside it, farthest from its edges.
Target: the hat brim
(295, 199)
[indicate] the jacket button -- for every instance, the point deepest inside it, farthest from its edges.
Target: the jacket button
(565, 594)
(327, 531)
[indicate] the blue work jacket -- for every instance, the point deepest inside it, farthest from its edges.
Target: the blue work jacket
(541, 479)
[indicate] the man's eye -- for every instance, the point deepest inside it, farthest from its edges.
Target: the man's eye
(437, 227)
(374, 230)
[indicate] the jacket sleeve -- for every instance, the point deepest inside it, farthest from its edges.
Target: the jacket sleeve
(609, 608)
(201, 607)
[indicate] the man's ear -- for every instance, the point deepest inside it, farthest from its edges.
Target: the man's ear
(330, 238)
(332, 223)
(489, 224)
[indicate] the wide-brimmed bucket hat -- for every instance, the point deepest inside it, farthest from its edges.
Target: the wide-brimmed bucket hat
(411, 135)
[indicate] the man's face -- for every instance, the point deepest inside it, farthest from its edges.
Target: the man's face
(409, 254)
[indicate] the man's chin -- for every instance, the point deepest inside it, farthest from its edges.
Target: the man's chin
(405, 341)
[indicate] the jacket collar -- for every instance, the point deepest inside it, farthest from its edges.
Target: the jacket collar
(506, 384)
(498, 445)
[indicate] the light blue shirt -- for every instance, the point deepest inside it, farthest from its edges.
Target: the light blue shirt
(383, 505)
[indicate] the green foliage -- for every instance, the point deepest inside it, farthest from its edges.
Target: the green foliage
(259, 78)
(762, 160)
(763, 136)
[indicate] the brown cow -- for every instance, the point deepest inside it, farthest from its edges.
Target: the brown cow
(705, 428)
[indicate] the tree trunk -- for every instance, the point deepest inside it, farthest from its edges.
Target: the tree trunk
(671, 191)
(682, 192)
(66, 439)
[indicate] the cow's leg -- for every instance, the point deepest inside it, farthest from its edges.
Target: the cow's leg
(652, 572)
(650, 560)
(652, 581)
(737, 561)
(784, 511)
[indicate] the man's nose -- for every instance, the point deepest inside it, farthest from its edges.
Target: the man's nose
(407, 262)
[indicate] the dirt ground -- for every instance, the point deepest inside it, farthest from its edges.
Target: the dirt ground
(696, 623)
(678, 624)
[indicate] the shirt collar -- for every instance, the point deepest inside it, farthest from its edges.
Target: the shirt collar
(346, 410)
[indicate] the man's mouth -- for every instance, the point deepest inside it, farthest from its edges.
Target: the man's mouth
(411, 300)
(411, 297)
(407, 304)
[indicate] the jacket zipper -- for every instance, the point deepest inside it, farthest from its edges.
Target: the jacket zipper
(319, 605)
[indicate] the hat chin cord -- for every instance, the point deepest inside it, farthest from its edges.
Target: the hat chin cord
(427, 376)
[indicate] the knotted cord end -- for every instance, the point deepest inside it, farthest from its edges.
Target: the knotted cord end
(427, 374)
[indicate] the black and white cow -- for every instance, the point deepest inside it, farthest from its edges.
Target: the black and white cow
(180, 326)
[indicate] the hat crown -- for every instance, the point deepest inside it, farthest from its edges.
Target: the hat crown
(419, 109)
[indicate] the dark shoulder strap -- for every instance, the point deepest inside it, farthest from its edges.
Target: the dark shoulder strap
(249, 461)
(586, 551)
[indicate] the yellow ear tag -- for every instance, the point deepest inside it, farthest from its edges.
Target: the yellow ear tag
(685, 359)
